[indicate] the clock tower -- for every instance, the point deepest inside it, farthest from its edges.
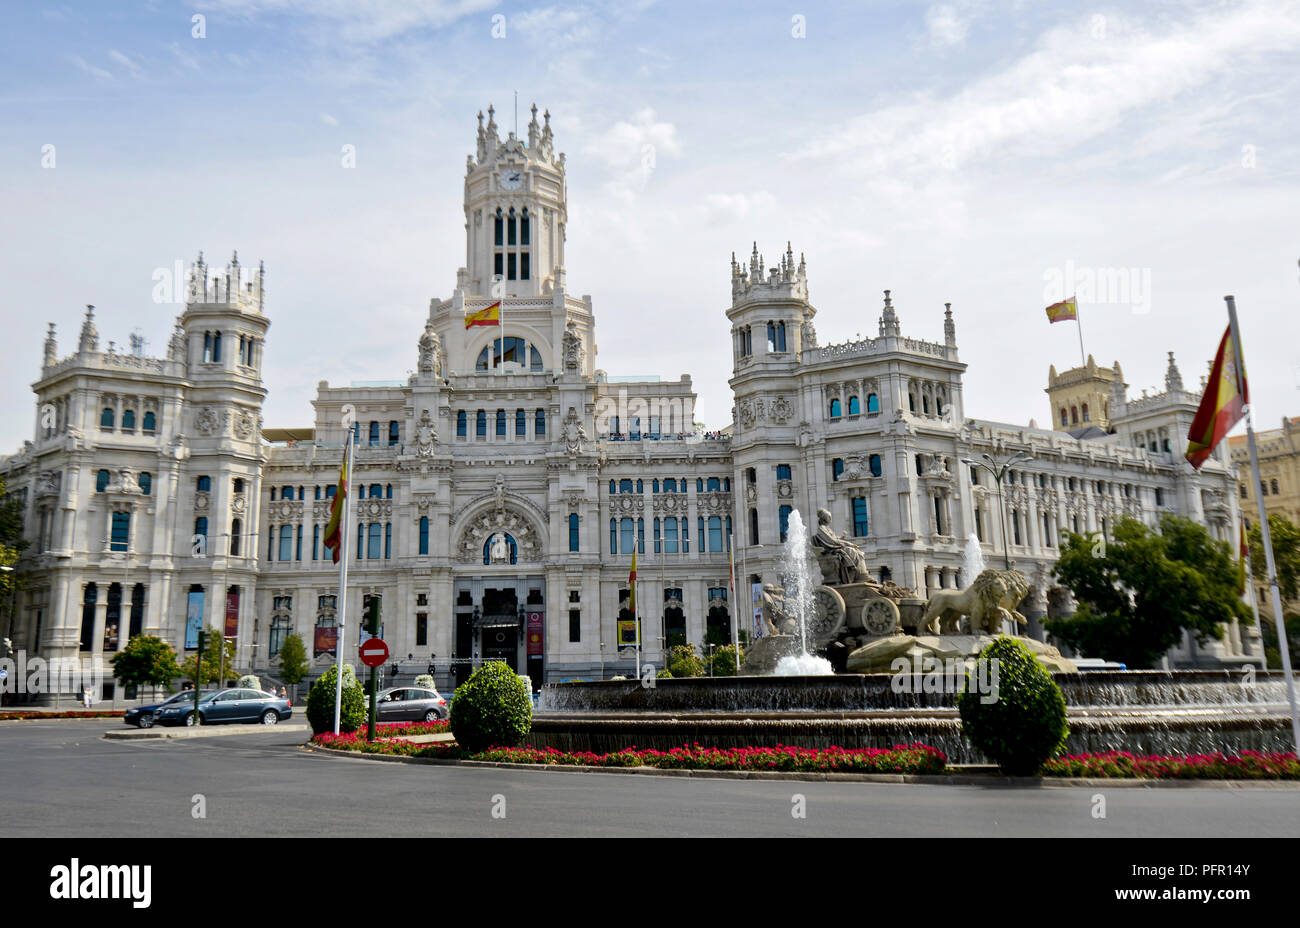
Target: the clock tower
(514, 212)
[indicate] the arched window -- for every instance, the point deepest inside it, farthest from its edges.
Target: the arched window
(203, 485)
(854, 406)
(1272, 486)
(715, 534)
(625, 486)
(925, 404)
(714, 485)
(784, 520)
(374, 433)
(424, 534)
(106, 418)
(101, 481)
(121, 532)
(539, 422)
(480, 424)
(201, 526)
(88, 601)
(835, 409)
(521, 422)
(1086, 417)
(149, 424)
(670, 485)
(837, 468)
(286, 543)
(501, 422)
(236, 531)
(1065, 416)
(783, 472)
(626, 535)
(873, 403)
(376, 491)
(1074, 415)
(874, 463)
(216, 348)
(128, 420)
(207, 347)
(640, 487)
(388, 491)
(145, 480)
(462, 424)
(573, 531)
(372, 550)
(394, 432)
(753, 526)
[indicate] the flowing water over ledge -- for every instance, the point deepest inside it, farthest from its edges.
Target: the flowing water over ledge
(1149, 712)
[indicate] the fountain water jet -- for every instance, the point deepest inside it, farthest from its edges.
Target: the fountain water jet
(972, 560)
(796, 562)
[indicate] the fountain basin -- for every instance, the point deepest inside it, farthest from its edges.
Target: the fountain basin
(1145, 712)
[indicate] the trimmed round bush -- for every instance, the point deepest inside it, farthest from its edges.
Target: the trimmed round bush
(493, 708)
(249, 681)
(320, 702)
(1026, 723)
(424, 681)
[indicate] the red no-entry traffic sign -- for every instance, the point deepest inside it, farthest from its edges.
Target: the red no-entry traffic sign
(374, 652)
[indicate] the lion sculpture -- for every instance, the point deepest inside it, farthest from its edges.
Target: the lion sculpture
(989, 601)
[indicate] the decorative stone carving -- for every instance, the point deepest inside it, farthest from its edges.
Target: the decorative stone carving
(245, 425)
(211, 421)
(573, 433)
(845, 559)
(745, 412)
(495, 524)
(200, 502)
(989, 601)
(425, 436)
(430, 351)
(781, 410)
(572, 346)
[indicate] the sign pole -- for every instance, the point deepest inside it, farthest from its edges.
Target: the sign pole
(345, 532)
(1265, 535)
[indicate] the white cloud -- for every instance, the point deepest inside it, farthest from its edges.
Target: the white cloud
(90, 68)
(363, 20)
(721, 208)
(133, 68)
(945, 25)
(183, 57)
(329, 120)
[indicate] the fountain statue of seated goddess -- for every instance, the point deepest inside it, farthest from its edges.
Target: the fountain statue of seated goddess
(845, 559)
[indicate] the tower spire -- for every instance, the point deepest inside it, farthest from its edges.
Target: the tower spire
(1173, 376)
(888, 320)
(89, 335)
(51, 348)
(949, 329)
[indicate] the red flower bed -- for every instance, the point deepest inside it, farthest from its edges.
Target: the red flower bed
(1248, 765)
(11, 716)
(913, 758)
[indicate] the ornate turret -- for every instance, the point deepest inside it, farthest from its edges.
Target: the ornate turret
(533, 128)
(784, 280)
(89, 340)
(888, 320)
(51, 348)
(1173, 377)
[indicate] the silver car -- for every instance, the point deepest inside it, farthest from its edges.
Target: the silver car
(410, 704)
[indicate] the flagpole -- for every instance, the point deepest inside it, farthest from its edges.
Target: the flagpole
(1078, 323)
(1264, 533)
(636, 614)
(731, 577)
(345, 531)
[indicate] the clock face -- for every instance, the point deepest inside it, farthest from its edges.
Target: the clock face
(512, 179)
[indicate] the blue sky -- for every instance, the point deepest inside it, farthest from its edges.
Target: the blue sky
(961, 151)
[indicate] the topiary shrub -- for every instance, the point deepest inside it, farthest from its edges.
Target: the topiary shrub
(320, 702)
(492, 708)
(684, 662)
(1020, 720)
(425, 681)
(249, 681)
(664, 675)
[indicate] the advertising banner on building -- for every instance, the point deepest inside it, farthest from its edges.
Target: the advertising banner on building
(756, 603)
(193, 619)
(535, 632)
(232, 614)
(326, 640)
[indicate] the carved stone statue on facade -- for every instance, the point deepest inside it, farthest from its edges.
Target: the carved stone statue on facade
(498, 551)
(572, 347)
(848, 565)
(425, 436)
(430, 349)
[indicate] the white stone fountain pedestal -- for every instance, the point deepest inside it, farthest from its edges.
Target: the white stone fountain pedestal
(879, 654)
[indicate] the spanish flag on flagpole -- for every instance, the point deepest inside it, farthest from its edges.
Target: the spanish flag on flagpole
(1064, 311)
(1222, 406)
(491, 315)
(334, 528)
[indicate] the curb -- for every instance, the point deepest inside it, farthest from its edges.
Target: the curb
(949, 779)
(202, 731)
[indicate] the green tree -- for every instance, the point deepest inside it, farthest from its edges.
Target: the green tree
(684, 662)
(1140, 591)
(293, 660)
(12, 542)
(146, 661)
(723, 663)
(1269, 631)
(1286, 556)
(212, 662)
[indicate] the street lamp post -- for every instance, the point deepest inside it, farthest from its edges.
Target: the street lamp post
(999, 470)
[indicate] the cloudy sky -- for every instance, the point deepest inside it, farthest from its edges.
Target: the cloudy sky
(980, 152)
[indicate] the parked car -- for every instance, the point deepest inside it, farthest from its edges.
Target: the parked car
(410, 704)
(229, 705)
(145, 716)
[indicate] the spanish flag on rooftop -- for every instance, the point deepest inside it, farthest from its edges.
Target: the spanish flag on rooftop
(1064, 311)
(491, 315)
(1222, 406)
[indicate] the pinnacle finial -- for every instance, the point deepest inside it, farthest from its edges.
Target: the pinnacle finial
(547, 116)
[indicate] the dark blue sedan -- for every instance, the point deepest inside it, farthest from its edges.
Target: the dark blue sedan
(145, 716)
(232, 705)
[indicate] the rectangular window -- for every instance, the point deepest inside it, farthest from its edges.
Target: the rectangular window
(573, 531)
(286, 543)
(704, 540)
(524, 267)
(784, 517)
(424, 534)
(388, 540)
(315, 542)
(510, 266)
(121, 531)
(497, 264)
(860, 516)
(373, 551)
(421, 629)
(575, 624)
(298, 548)
(670, 536)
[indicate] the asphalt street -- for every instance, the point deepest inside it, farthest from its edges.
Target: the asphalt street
(60, 778)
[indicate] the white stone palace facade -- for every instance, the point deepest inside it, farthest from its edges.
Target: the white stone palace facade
(501, 488)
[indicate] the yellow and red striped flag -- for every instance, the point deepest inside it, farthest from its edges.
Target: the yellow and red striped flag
(1222, 406)
(334, 528)
(491, 315)
(1064, 311)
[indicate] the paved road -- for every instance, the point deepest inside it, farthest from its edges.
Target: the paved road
(63, 779)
